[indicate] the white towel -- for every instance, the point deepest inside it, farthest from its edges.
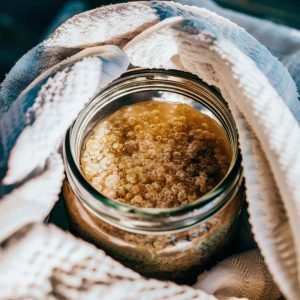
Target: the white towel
(261, 95)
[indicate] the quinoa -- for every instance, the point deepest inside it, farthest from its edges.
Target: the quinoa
(156, 155)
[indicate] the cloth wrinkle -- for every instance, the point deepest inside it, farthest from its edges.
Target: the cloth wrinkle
(47, 88)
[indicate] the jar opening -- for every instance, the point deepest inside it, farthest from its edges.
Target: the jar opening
(157, 85)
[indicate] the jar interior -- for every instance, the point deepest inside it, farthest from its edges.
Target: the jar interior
(107, 102)
(155, 85)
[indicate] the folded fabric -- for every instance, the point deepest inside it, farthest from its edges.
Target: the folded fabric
(39, 89)
(282, 41)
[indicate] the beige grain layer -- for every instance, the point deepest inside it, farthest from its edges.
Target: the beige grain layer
(156, 154)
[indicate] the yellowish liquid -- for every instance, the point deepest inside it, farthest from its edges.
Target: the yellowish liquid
(156, 154)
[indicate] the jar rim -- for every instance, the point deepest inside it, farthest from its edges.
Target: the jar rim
(208, 203)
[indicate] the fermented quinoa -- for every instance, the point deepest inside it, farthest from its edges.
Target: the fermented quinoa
(156, 155)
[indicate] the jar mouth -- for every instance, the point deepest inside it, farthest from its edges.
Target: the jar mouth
(125, 91)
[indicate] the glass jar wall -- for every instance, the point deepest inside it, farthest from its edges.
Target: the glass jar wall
(158, 242)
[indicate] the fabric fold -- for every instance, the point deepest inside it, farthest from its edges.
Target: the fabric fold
(259, 90)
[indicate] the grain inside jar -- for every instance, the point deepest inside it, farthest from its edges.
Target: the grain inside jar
(156, 154)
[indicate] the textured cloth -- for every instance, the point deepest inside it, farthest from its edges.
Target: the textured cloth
(47, 88)
(282, 41)
(42, 262)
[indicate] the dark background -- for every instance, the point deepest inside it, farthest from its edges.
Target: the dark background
(24, 23)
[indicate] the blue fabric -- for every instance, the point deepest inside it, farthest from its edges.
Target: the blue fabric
(282, 41)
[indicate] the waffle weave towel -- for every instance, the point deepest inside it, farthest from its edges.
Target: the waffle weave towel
(47, 88)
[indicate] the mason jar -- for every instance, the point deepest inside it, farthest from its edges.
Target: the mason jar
(158, 242)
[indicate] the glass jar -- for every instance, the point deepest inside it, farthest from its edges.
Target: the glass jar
(162, 243)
